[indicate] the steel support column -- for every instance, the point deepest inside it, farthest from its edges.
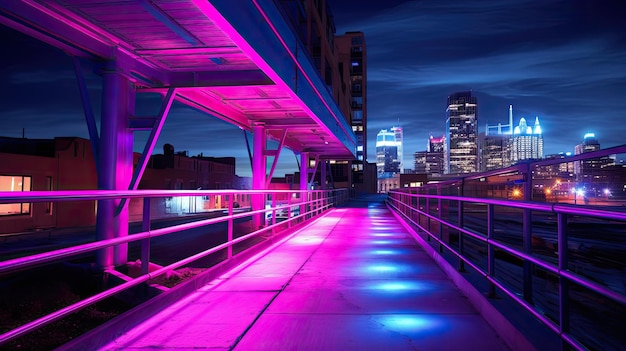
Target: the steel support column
(259, 145)
(116, 162)
(323, 174)
(304, 171)
(304, 179)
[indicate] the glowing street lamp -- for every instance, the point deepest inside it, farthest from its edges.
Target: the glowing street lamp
(578, 192)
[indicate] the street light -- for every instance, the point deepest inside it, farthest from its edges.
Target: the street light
(580, 192)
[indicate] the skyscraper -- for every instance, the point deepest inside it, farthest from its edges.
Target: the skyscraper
(342, 63)
(387, 163)
(434, 156)
(505, 145)
(588, 171)
(461, 134)
(351, 51)
(526, 141)
(495, 151)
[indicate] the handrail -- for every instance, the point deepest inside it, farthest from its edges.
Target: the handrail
(406, 202)
(537, 206)
(313, 206)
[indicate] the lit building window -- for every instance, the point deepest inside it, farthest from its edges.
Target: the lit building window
(15, 183)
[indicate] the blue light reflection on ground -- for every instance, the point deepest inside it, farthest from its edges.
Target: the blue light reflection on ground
(382, 242)
(401, 286)
(384, 252)
(413, 323)
(382, 268)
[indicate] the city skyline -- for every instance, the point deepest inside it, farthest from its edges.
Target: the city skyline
(564, 61)
(560, 60)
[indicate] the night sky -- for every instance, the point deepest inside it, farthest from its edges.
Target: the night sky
(564, 61)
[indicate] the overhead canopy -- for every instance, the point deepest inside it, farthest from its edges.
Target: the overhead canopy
(237, 60)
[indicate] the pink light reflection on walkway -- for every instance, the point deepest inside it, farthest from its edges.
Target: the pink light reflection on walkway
(315, 291)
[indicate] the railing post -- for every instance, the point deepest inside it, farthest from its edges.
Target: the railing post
(461, 245)
(439, 212)
(289, 195)
(563, 283)
(491, 259)
(231, 198)
(145, 243)
(527, 236)
(427, 210)
(273, 219)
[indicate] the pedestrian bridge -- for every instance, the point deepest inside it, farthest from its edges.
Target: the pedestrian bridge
(354, 279)
(409, 270)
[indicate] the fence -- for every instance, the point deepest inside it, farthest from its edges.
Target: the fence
(243, 224)
(564, 264)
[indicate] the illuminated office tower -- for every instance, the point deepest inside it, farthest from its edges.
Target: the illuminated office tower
(387, 163)
(351, 50)
(526, 141)
(589, 171)
(495, 151)
(430, 161)
(434, 156)
(495, 145)
(461, 154)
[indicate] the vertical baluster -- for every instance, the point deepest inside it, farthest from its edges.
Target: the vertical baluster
(145, 243)
(491, 260)
(564, 311)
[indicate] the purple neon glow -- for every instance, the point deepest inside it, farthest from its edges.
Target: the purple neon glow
(305, 240)
(383, 234)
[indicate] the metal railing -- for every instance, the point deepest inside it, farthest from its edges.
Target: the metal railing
(301, 206)
(503, 239)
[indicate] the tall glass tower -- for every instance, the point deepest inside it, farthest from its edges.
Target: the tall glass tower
(527, 141)
(461, 134)
(387, 163)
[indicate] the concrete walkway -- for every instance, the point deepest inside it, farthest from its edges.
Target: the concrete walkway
(353, 280)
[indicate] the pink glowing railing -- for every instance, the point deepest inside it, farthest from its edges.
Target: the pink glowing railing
(426, 213)
(310, 204)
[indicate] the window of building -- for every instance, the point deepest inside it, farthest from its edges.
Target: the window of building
(15, 183)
